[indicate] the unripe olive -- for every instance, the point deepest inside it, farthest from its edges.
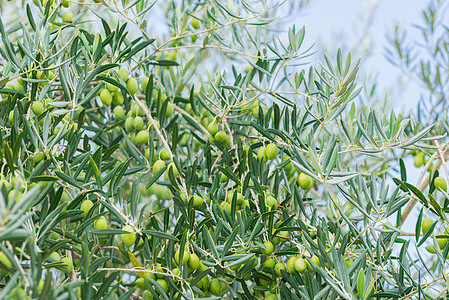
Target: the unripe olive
(106, 97)
(163, 284)
(269, 263)
(128, 238)
(215, 287)
(68, 265)
(164, 155)
(38, 157)
(278, 267)
(129, 124)
(305, 181)
(316, 261)
(142, 137)
(426, 223)
(440, 183)
(262, 154)
(132, 86)
(419, 159)
(37, 108)
(169, 110)
(197, 201)
(117, 98)
(172, 166)
(300, 265)
(194, 261)
(221, 137)
(158, 165)
(86, 206)
(270, 297)
(271, 151)
(212, 128)
(140, 282)
(195, 23)
(101, 223)
(144, 83)
(67, 17)
(442, 241)
(270, 201)
(291, 264)
(123, 73)
(65, 3)
(119, 112)
(268, 248)
(5, 261)
(185, 257)
(138, 123)
(111, 87)
(171, 55)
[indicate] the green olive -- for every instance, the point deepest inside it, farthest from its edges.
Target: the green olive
(305, 181)
(271, 151)
(106, 97)
(132, 86)
(440, 183)
(128, 238)
(268, 248)
(86, 206)
(67, 17)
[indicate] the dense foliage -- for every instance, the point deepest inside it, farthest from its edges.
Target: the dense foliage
(212, 161)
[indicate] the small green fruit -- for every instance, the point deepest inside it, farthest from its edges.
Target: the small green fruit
(169, 110)
(65, 3)
(262, 154)
(123, 73)
(419, 159)
(164, 155)
(212, 128)
(271, 151)
(111, 87)
(68, 265)
(117, 98)
(86, 206)
(106, 97)
(268, 248)
(300, 265)
(278, 267)
(144, 83)
(37, 108)
(291, 264)
(158, 165)
(270, 201)
(129, 124)
(305, 181)
(140, 282)
(142, 137)
(67, 17)
(197, 201)
(215, 287)
(269, 263)
(440, 183)
(128, 238)
(119, 112)
(426, 223)
(101, 223)
(194, 261)
(132, 86)
(138, 123)
(163, 284)
(5, 261)
(185, 257)
(195, 23)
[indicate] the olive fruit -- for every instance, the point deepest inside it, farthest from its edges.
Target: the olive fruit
(195, 23)
(65, 3)
(37, 108)
(86, 206)
(158, 165)
(197, 201)
(5, 261)
(215, 287)
(262, 154)
(101, 223)
(269, 263)
(425, 225)
(164, 154)
(291, 264)
(119, 112)
(300, 265)
(194, 261)
(271, 151)
(111, 87)
(68, 264)
(270, 201)
(123, 73)
(132, 86)
(144, 83)
(185, 257)
(138, 123)
(128, 238)
(67, 17)
(316, 261)
(140, 282)
(55, 256)
(117, 98)
(106, 97)
(212, 128)
(441, 240)
(172, 167)
(169, 110)
(38, 157)
(270, 297)
(305, 181)
(419, 159)
(278, 267)
(268, 248)
(440, 183)
(129, 124)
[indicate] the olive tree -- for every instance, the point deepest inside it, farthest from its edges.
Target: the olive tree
(189, 149)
